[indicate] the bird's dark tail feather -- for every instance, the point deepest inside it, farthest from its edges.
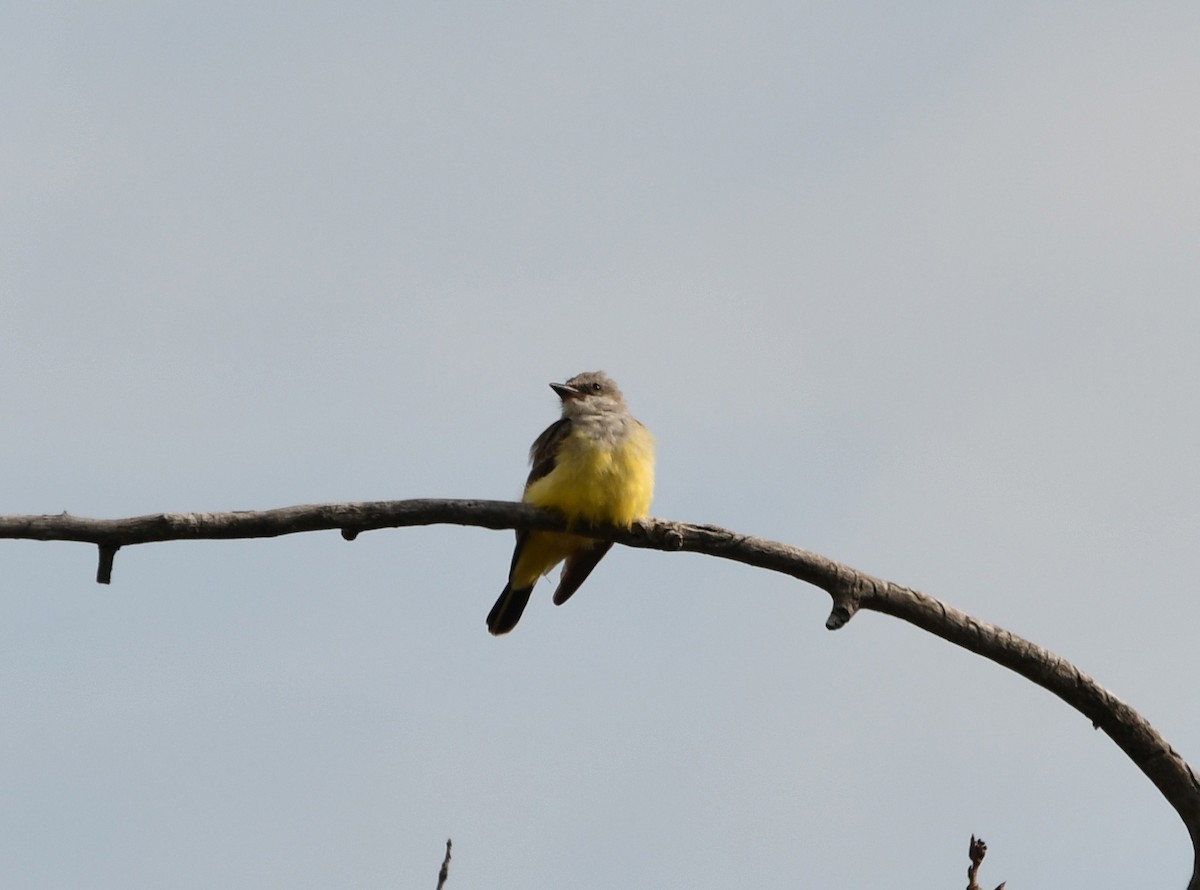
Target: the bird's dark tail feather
(507, 611)
(577, 567)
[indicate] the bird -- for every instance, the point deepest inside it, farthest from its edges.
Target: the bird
(595, 464)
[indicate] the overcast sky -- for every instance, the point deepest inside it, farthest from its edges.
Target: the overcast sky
(914, 286)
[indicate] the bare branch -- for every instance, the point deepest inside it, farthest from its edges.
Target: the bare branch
(849, 590)
(977, 851)
(445, 869)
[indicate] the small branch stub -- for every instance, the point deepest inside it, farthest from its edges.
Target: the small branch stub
(839, 616)
(108, 553)
(846, 601)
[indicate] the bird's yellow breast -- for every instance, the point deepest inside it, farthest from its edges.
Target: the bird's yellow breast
(599, 481)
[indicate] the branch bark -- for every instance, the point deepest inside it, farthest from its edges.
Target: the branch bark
(850, 591)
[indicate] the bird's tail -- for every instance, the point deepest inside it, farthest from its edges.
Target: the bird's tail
(507, 611)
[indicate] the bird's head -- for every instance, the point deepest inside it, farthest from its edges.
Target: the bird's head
(592, 392)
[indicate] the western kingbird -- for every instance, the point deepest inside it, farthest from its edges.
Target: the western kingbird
(595, 464)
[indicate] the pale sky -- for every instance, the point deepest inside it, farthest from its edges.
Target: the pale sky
(916, 287)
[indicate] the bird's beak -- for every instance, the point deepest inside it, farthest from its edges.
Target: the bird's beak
(566, 392)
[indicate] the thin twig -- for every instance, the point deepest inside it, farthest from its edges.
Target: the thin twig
(977, 851)
(445, 870)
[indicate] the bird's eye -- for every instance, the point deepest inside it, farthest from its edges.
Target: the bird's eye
(596, 387)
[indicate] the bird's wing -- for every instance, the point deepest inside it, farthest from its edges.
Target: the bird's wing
(543, 453)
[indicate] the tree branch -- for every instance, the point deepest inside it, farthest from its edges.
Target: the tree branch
(849, 589)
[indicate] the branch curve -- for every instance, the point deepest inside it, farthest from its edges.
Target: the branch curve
(849, 589)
